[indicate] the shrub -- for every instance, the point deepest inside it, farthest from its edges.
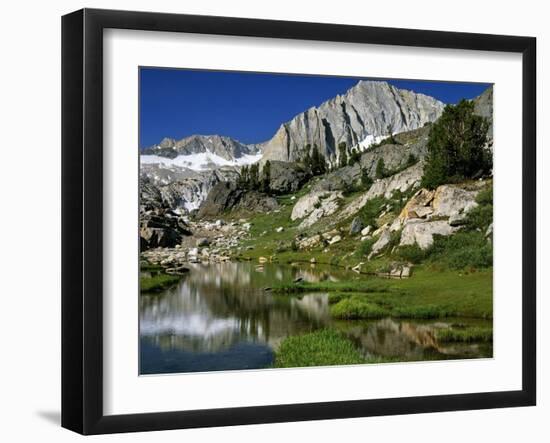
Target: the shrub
(395, 238)
(380, 169)
(485, 197)
(355, 308)
(366, 181)
(364, 248)
(462, 250)
(411, 253)
(479, 217)
(369, 212)
(411, 160)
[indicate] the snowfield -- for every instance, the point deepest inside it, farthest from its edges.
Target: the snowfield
(202, 161)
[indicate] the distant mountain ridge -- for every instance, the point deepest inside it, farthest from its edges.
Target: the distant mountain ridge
(364, 112)
(222, 146)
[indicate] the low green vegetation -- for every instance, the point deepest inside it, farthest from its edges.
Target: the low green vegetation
(157, 282)
(430, 294)
(356, 307)
(365, 247)
(319, 348)
(362, 285)
(149, 267)
(463, 250)
(465, 335)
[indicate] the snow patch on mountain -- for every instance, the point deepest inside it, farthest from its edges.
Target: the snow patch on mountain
(201, 161)
(370, 140)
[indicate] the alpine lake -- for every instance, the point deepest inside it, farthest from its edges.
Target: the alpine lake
(225, 316)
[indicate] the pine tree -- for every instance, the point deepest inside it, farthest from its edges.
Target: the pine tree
(354, 157)
(457, 146)
(389, 130)
(380, 169)
(366, 181)
(244, 177)
(253, 180)
(343, 155)
(266, 177)
(318, 162)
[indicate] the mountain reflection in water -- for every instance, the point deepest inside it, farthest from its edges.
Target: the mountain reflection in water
(219, 317)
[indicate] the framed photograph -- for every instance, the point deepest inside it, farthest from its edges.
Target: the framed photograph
(269, 221)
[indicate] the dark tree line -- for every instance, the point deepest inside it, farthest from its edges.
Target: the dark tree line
(252, 179)
(314, 162)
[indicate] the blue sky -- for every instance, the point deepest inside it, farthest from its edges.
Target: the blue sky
(249, 107)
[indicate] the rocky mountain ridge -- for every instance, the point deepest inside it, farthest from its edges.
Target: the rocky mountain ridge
(365, 111)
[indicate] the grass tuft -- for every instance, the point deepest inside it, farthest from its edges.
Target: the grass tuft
(319, 348)
(355, 308)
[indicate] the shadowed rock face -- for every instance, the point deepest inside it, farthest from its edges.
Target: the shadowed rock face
(286, 177)
(483, 105)
(227, 196)
(366, 109)
(179, 188)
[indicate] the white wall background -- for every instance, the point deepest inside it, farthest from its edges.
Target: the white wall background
(30, 219)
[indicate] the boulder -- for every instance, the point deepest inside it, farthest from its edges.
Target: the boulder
(309, 242)
(422, 233)
(339, 179)
(402, 181)
(328, 235)
(489, 231)
(286, 177)
(279, 229)
(335, 239)
(226, 196)
(366, 231)
(201, 242)
(314, 206)
(418, 206)
(356, 226)
(457, 219)
(381, 243)
(451, 200)
(161, 227)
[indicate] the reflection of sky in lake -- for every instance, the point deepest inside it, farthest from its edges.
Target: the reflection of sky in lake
(221, 317)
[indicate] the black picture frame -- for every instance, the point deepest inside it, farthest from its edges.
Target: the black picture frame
(82, 218)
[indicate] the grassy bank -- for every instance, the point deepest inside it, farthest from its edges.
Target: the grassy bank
(323, 348)
(157, 282)
(429, 294)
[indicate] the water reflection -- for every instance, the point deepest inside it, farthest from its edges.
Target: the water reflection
(221, 317)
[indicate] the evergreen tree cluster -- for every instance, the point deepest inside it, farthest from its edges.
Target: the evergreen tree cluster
(314, 162)
(457, 147)
(250, 177)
